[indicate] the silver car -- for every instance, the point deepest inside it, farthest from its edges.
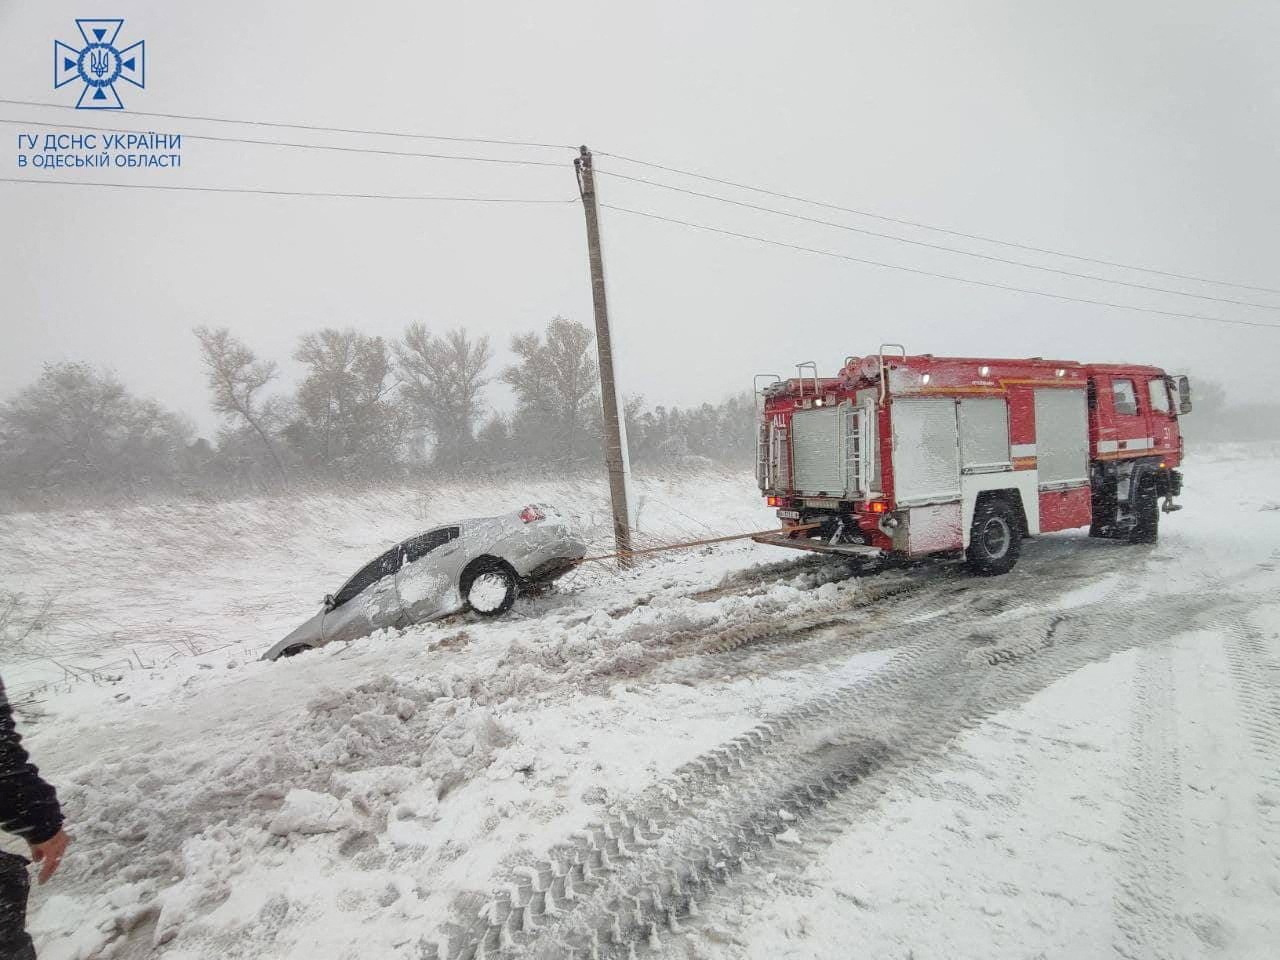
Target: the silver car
(479, 565)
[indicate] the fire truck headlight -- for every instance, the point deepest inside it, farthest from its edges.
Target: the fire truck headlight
(818, 402)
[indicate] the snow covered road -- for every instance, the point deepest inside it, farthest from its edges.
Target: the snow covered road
(1078, 759)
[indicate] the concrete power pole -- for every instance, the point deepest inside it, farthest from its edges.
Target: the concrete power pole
(615, 453)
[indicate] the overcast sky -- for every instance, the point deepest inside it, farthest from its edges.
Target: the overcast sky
(1145, 132)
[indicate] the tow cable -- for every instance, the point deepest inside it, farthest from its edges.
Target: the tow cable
(628, 554)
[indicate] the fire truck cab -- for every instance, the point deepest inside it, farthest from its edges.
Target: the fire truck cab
(907, 456)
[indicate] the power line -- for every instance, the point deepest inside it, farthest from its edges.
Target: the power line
(927, 226)
(284, 193)
(937, 246)
(302, 146)
(940, 276)
(307, 126)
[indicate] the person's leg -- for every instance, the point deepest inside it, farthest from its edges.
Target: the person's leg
(15, 944)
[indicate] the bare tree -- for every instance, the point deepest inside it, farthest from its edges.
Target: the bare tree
(237, 380)
(556, 383)
(78, 427)
(443, 378)
(344, 416)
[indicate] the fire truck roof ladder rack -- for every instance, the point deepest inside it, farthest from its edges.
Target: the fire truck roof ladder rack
(758, 391)
(884, 376)
(807, 365)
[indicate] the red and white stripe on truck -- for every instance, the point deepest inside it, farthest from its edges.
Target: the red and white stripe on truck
(917, 455)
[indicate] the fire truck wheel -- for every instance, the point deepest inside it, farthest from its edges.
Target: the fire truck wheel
(995, 540)
(1146, 515)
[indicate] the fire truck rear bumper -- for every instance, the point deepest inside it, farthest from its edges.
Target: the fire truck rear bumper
(817, 546)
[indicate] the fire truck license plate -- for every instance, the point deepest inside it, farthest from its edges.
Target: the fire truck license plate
(789, 514)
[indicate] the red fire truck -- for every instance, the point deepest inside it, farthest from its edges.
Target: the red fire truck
(906, 456)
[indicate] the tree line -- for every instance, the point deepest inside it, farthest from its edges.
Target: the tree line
(366, 409)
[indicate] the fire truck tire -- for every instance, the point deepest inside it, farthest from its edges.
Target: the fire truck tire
(995, 539)
(1146, 514)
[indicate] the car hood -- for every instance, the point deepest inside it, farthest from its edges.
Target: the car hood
(308, 633)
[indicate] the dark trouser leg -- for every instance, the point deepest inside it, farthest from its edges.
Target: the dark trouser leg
(14, 884)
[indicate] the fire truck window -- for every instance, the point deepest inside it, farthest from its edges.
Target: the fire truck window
(1124, 397)
(1159, 394)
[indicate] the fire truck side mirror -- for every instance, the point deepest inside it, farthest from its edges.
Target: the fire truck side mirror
(1183, 386)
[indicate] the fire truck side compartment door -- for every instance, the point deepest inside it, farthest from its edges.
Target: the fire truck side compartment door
(984, 434)
(934, 527)
(926, 450)
(1062, 436)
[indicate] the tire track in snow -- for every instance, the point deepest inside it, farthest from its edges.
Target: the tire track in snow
(937, 591)
(1145, 905)
(1255, 679)
(1255, 676)
(649, 866)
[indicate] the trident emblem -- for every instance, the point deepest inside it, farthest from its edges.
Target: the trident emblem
(99, 64)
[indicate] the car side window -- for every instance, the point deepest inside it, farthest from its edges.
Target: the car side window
(1158, 391)
(1124, 397)
(419, 546)
(384, 566)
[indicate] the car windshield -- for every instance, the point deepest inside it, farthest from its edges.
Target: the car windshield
(368, 575)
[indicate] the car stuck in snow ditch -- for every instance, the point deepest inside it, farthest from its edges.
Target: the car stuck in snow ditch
(480, 565)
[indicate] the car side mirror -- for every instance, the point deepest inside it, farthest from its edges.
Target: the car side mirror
(328, 602)
(1183, 386)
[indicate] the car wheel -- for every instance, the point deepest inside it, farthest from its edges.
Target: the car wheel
(995, 540)
(491, 590)
(293, 651)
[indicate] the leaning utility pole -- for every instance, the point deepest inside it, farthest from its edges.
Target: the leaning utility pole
(615, 454)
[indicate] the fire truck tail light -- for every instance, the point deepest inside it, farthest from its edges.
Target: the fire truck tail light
(877, 506)
(775, 501)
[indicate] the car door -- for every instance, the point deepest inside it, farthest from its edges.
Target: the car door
(428, 577)
(365, 603)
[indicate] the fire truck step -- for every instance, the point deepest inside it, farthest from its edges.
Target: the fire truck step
(817, 546)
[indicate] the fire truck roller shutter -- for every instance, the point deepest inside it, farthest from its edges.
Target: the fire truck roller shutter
(926, 473)
(926, 450)
(1062, 453)
(984, 435)
(818, 451)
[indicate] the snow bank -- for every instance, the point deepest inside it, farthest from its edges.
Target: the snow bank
(351, 801)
